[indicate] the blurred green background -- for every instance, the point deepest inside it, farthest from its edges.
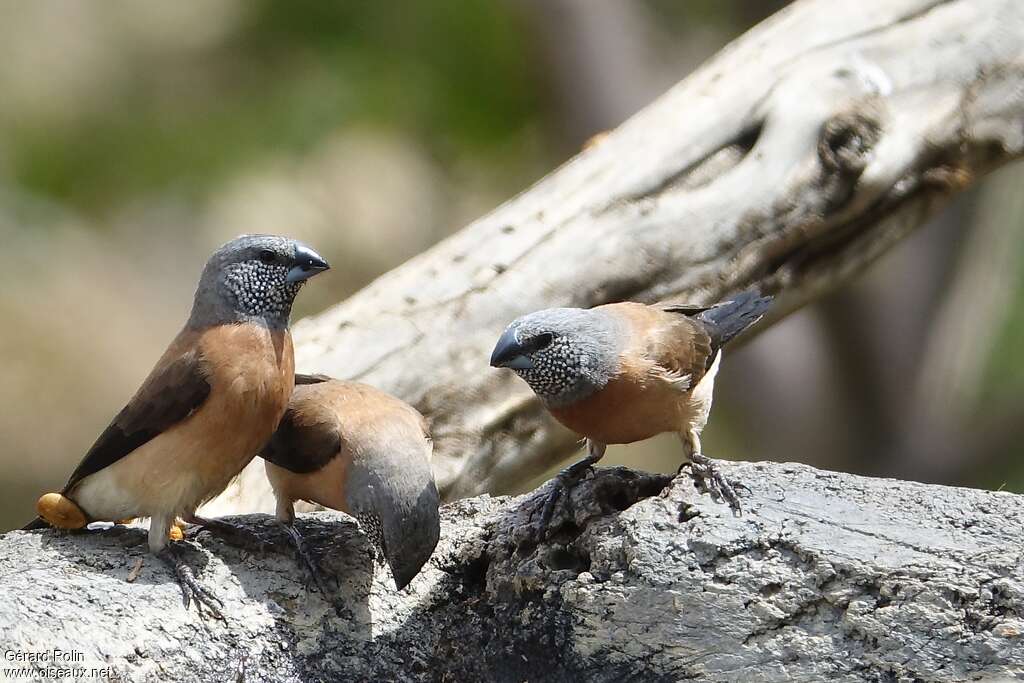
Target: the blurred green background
(136, 136)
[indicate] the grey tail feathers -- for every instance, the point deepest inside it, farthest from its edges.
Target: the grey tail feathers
(727, 319)
(37, 523)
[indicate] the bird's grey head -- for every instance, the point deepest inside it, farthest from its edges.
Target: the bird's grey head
(564, 354)
(396, 502)
(254, 278)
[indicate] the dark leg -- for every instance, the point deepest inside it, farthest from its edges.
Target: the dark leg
(231, 533)
(191, 589)
(304, 558)
(710, 479)
(243, 538)
(706, 475)
(568, 478)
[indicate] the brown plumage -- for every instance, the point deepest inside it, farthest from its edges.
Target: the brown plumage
(624, 372)
(665, 357)
(351, 447)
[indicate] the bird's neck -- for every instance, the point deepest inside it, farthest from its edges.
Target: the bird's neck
(207, 312)
(583, 388)
(217, 304)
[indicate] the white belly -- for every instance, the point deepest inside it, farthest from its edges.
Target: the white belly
(103, 499)
(702, 395)
(171, 475)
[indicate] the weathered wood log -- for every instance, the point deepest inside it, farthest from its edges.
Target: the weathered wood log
(791, 160)
(824, 576)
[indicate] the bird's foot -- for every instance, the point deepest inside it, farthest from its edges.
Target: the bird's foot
(306, 560)
(232, 534)
(710, 480)
(563, 482)
(191, 589)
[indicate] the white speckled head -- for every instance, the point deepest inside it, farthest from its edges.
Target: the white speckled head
(564, 354)
(253, 278)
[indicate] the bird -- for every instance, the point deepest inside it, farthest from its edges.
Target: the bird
(624, 372)
(354, 448)
(211, 402)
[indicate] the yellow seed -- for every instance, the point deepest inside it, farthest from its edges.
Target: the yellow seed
(61, 511)
(596, 140)
(176, 534)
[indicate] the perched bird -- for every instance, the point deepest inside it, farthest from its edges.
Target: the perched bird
(624, 372)
(354, 448)
(212, 401)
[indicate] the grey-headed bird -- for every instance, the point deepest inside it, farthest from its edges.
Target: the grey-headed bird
(624, 372)
(212, 401)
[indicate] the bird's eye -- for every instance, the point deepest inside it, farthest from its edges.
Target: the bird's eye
(542, 341)
(268, 257)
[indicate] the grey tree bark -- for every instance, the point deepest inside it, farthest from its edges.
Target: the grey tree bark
(791, 160)
(825, 576)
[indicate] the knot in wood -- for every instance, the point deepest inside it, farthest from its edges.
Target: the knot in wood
(846, 141)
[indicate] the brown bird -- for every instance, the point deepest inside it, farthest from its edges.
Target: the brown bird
(354, 448)
(212, 401)
(624, 372)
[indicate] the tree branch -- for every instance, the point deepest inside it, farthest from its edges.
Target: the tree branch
(824, 576)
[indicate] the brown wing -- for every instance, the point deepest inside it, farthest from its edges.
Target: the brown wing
(307, 438)
(689, 342)
(175, 388)
(680, 345)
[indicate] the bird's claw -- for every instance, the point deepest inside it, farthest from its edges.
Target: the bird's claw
(710, 480)
(557, 487)
(303, 556)
(231, 534)
(191, 589)
(562, 483)
(203, 598)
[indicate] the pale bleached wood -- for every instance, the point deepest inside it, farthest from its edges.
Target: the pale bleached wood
(825, 577)
(792, 159)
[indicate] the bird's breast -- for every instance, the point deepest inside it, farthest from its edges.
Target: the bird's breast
(636, 405)
(252, 374)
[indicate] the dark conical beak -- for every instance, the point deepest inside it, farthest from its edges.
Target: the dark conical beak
(509, 353)
(307, 264)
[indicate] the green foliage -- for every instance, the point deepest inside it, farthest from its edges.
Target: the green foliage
(456, 75)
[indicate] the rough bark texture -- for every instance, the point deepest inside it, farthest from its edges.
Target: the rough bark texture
(824, 577)
(793, 158)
